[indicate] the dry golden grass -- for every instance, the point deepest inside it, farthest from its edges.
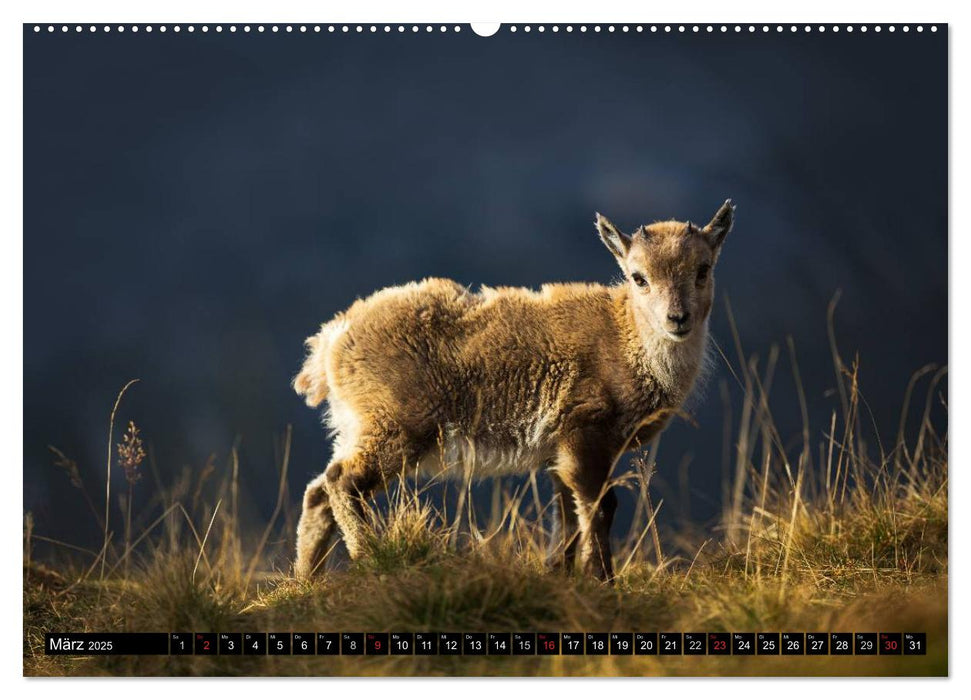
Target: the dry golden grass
(832, 535)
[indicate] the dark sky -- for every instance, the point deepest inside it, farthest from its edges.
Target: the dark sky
(196, 205)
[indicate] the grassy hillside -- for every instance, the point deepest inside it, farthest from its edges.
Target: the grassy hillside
(842, 532)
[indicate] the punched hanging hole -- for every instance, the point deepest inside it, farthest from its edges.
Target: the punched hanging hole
(485, 28)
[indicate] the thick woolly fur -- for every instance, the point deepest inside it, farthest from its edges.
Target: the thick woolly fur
(432, 376)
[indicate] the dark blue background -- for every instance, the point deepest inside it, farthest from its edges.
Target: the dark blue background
(196, 205)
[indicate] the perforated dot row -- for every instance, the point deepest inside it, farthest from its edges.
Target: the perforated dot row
(428, 28)
(247, 28)
(725, 28)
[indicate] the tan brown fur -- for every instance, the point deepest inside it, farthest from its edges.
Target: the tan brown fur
(435, 376)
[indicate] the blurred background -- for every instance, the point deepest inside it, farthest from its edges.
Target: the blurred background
(195, 205)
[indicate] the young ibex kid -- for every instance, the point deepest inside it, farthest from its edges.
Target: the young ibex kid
(433, 376)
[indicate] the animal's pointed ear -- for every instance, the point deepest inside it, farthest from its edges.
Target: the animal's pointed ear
(617, 243)
(720, 225)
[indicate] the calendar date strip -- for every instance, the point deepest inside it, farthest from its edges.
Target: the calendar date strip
(487, 643)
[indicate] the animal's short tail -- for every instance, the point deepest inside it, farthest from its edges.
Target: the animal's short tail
(311, 382)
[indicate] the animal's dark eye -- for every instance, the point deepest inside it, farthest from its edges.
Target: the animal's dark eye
(639, 279)
(703, 273)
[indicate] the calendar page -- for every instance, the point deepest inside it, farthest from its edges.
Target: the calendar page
(549, 349)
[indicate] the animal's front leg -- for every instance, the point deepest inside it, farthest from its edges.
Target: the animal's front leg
(599, 557)
(584, 465)
(564, 549)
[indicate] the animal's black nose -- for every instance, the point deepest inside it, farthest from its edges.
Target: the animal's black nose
(679, 319)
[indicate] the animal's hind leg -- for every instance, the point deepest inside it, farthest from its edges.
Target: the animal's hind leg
(372, 463)
(314, 531)
(564, 549)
